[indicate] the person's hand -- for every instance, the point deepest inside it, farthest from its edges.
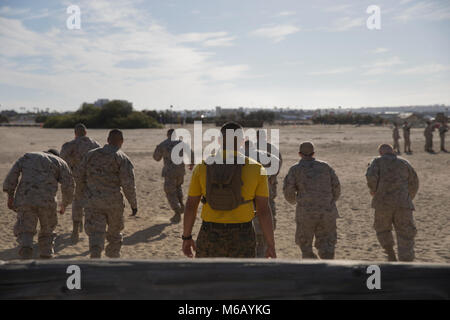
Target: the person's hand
(270, 253)
(134, 212)
(62, 209)
(372, 193)
(188, 245)
(191, 166)
(11, 203)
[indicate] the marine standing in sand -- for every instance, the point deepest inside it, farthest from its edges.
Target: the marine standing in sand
(442, 131)
(272, 179)
(103, 171)
(314, 187)
(407, 137)
(34, 199)
(173, 174)
(72, 152)
(393, 184)
(428, 133)
(396, 137)
(261, 245)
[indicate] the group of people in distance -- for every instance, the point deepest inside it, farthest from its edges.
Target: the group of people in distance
(237, 196)
(428, 133)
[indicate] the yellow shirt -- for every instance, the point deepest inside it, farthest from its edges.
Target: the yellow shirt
(254, 184)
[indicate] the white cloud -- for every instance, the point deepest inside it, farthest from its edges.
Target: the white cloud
(380, 50)
(332, 71)
(276, 33)
(382, 66)
(425, 69)
(286, 13)
(208, 39)
(425, 10)
(347, 23)
(151, 67)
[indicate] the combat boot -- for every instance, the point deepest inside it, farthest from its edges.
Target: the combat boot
(26, 253)
(176, 218)
(391, 255)
(75, 237)
(96, 252)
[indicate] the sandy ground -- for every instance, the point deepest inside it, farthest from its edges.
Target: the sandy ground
(348, 149)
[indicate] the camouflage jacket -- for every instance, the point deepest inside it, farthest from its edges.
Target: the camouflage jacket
(41, 172)
(103, 171)
(428, 132)
(393, 181)
(395, 134)
(406, 131)
(313, 185)
(73, 151)
(164, 151)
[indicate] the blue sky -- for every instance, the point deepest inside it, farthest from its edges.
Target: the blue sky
(200, 54)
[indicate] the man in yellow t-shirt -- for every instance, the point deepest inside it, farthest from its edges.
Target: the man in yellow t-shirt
(229, 233)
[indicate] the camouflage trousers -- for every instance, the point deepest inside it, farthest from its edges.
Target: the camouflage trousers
(234, 240)
(318, 225)
(77, 206)
(96, 222)
(396, 145)
(407, 145)
(25, 228)
(261, 245)
(405, 229)
(174, 193)
(428, 144)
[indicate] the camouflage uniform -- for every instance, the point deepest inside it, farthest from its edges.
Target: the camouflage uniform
(217, 240)
(394, 184)
(173, 174)
(396, 137)
(35, 198)
(315, 187)
(428, 133)
(72, 152)
(442, 131)
(102, 172)
(407, 137)
(261, 246)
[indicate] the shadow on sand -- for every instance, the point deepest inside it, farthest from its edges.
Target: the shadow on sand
(147, 235)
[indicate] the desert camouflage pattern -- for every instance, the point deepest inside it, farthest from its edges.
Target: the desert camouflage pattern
(103, 172)
(393, 180)
(173, 174)
(407, 137)
(35, 198)
(225, 241)
(394, 183)
(396, 138)
(314, 187)
(73, 152)
(428, 133)
(261, 245)
(40, 174)
(405, 230)
(443, 129)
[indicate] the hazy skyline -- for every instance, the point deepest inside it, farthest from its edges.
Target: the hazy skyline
(200, 54)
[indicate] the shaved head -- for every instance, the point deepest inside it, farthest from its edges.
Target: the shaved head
(115, 138)
(385, 149)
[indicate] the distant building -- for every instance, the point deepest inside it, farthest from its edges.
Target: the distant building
(101, 102)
